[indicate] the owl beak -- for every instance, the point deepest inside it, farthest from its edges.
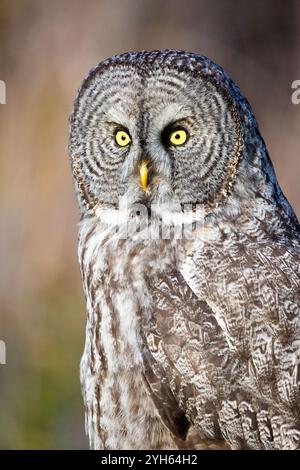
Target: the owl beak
(144, 173)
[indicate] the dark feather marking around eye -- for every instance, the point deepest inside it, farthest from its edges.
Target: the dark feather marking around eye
(167, 131)
(118, 127)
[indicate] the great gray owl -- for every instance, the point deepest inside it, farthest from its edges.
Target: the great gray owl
(189, 255)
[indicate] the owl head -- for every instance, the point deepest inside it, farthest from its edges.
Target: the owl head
(166, 129)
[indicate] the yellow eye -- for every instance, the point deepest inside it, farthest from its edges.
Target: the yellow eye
(178, 137)
(122, 138)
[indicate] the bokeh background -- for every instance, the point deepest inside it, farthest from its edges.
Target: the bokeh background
(46, 48)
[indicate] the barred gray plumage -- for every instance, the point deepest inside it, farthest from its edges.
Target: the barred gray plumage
(191, 341)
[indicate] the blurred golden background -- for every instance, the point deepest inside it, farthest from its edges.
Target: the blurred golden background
(46, 48)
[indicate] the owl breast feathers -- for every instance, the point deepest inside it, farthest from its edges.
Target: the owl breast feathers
(190, 261)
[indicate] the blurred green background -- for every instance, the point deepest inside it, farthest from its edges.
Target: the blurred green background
(46, 48)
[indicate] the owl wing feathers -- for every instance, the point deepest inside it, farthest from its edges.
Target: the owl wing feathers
(178, 338)
(171, 414)
(229, 342)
